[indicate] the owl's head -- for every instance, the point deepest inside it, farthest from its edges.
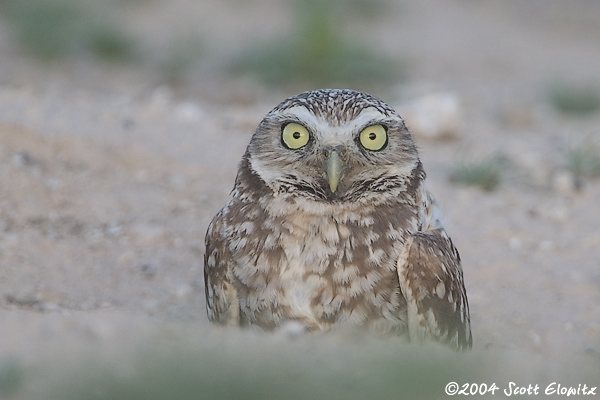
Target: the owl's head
(332, 145)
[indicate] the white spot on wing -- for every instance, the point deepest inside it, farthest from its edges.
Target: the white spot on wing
(440, 290)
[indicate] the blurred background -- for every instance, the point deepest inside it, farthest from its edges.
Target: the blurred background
(121, 126)
(205, 48)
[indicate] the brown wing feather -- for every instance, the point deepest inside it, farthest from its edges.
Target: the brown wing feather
(222, 304)
(431, 280)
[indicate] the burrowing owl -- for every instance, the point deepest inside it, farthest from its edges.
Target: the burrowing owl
(330, 223)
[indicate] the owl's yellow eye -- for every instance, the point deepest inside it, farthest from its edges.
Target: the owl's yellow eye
(373, 137)
(295, 136)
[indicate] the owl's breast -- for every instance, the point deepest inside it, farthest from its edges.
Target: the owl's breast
(322, 269)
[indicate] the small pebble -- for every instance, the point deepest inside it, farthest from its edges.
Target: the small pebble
(435, 116)
(149, 270)
(515, 243)
(23, 159)
(292, 329)
(188, 112)
(563, 182)
(182, 291)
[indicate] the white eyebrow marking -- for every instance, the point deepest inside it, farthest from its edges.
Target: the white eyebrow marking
(324, 130)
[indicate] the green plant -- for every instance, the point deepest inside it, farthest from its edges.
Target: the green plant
(583, 160)
(11, 377)
(109, 44)
(574, 100)
(56, 29)
(485, 174)
(318, 53)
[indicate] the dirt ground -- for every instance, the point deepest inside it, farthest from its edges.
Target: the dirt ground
(109, 178)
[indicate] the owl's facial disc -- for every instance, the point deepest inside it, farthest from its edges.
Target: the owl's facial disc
(332, 146)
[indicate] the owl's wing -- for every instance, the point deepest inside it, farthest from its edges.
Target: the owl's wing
(222, 304)
(431, 280)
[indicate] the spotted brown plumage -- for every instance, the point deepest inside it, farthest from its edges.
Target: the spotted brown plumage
(332, 224)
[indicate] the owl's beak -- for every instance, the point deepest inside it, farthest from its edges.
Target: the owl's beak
(334, 170)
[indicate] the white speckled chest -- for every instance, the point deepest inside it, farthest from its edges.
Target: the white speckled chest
(320, 265)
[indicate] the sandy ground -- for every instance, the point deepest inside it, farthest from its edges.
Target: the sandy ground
(109, 179)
